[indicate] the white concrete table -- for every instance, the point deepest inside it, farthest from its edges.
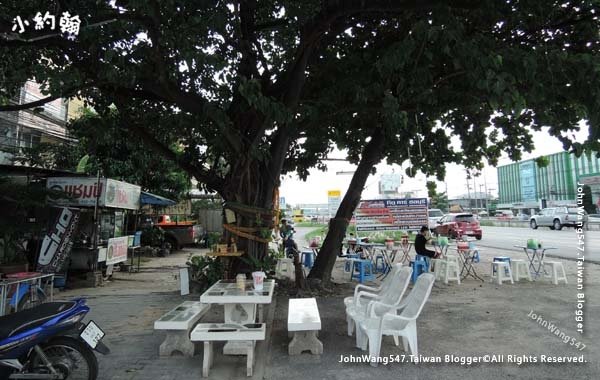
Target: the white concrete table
(304, 321)
(240, 305)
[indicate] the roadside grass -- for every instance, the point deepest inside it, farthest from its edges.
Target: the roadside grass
(309, 224)
(374, 237)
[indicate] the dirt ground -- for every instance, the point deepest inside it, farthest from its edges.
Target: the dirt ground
(459, 324)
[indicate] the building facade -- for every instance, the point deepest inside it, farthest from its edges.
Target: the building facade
(30, 127)
(523, 185)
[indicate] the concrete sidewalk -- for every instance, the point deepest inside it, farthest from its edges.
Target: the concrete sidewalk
(471, 319)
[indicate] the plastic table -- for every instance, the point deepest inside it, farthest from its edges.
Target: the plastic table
(467, 255)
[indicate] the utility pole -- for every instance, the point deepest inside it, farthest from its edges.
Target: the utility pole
(480, 186)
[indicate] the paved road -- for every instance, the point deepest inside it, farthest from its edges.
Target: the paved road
(565, 240)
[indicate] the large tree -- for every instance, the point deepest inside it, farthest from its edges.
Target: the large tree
(255, 89)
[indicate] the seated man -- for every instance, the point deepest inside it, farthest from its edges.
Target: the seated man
(422, 238)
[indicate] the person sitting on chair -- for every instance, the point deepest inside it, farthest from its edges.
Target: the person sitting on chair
(422, 238)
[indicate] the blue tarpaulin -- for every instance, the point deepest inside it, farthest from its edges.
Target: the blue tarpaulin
(156, 200)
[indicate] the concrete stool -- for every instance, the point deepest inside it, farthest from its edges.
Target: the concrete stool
(554, 266)
(520, 270)
(499, 274)
(285, 268)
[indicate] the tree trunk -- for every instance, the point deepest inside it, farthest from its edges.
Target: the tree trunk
(371, 156)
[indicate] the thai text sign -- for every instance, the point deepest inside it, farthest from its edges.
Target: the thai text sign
(83, 191)
(117, 250)
(57, 244)
(391, 214)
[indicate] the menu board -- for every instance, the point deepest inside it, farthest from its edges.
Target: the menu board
(391, 214)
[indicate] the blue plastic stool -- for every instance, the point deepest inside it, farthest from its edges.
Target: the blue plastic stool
(420, 265)
(308, 259)
(380, 260)
(504, 259)
(362, 270)
(348, 263)
(475, 252)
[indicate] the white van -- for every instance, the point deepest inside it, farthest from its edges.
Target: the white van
(435, 214)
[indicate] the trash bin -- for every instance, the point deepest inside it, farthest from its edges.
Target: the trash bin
(308, 258)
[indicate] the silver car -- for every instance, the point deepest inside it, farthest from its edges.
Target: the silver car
(558, 217)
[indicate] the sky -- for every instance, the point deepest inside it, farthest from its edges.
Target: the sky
(314, 190)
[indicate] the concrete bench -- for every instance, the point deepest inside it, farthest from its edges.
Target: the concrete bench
(178, 323)
(211, 332)
(304, 322)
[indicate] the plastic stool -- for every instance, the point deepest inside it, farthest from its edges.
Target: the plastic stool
(450, 271)
(499, 274)
(285, 268)
(420, 265)
(380, 260)
(348, 263)
(520, 270)
(502, 259)
(364, 267)
(475, 250)
(555, 265)
(308, 259)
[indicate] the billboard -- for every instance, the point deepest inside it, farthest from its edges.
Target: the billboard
(391, 214)
(57, 243)
(83, 191)
(528, 187)
(333, 201)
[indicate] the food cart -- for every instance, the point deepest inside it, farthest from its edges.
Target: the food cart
(98, 241)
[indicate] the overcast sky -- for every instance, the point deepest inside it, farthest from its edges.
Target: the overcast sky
(314, 190)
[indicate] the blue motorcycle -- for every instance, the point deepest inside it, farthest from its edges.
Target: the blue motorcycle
(49, 341)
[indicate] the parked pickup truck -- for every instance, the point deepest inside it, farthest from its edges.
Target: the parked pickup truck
(557, 217)
(179, 234)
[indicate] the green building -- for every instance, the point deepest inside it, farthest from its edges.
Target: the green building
(522, 185)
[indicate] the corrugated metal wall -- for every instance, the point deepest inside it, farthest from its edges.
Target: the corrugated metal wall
(211, 220)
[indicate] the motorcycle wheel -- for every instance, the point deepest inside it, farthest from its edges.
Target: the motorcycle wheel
(73, 359)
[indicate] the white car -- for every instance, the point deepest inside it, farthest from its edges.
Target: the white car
(435, 214)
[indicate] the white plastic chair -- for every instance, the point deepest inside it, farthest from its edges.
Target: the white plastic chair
(372, 329)
(388, 299)
(371, 291)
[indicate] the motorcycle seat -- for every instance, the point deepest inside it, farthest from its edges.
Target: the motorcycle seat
(12, 324)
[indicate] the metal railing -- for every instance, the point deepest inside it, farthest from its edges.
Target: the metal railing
(11, 289)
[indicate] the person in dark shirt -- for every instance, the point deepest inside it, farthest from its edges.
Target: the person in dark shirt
(420, 241)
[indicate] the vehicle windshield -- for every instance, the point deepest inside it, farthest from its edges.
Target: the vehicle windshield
(468, 218)
(435, 213)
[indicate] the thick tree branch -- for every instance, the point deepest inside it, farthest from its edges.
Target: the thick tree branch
(159, 147)
(41, 102)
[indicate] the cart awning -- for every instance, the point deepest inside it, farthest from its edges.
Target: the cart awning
(156, 200)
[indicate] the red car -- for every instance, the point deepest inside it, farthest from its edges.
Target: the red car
(455, 225)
